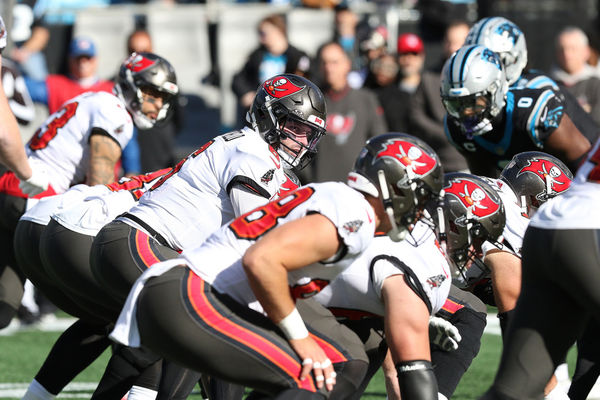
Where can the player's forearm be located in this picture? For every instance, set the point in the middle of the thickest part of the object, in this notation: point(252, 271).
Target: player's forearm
point(268, 280)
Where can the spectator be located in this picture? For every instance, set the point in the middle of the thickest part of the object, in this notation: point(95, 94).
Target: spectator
point(427, 111)
point(574, 73)
point(354, 115)
point(30, 36)
point(83, 66)
point(274, 56)
point(383, 81)
point(349, 32)
point(411, 58)
point(372, 48)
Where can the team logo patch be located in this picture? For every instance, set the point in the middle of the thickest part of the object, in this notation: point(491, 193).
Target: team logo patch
point(280, 87)
point(353, 226)
point(138, 62)
point(545, 169)
point(409, 155)
point(316, 120)
point(436, 281)
point(268, 176)
point(491, 57)
point(473, 197)
point(119, 129)
point(509, 31)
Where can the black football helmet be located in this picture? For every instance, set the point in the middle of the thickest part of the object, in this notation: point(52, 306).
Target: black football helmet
point(146, 72)
point(536, 177)
point(475, 214)
point(291, 107)
point(404, 172)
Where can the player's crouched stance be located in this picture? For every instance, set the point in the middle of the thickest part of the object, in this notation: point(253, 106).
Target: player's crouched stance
point(227, 308)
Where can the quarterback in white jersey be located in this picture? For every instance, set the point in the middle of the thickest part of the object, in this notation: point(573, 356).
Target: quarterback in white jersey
point(81, 143)
point(559, 290)
point(242, 288)
point(226, 177)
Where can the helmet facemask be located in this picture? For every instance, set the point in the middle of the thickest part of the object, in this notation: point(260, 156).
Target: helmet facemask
point(464, 252)
point(295, 140)
point(146, 73)
point(289, 113)
point(473, 112)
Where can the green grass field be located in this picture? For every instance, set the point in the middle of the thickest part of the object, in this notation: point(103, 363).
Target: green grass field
point(22, 353)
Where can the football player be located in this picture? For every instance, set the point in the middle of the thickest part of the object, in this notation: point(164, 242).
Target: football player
point(559, 287)
point(390, 291)
point(82, 142)
point(490, 123)
point(530, 179)
point(239, 287)
point(227, 176)
point(506, 39)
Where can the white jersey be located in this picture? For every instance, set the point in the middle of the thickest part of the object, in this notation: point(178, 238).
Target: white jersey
point(195, 200)
point(61, 145)
point(356, 292)
point(86, 209)
point(578, 207)
point(516, 220)
point(218, 259)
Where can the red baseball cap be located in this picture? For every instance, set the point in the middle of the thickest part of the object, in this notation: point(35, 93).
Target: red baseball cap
point(409, 43)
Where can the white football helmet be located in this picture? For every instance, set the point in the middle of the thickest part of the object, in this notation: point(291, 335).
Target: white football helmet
point(505, 38)
point(473, 88)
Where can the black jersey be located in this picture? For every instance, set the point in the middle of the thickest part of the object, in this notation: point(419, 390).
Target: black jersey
point(528, 119)
point(534, 79)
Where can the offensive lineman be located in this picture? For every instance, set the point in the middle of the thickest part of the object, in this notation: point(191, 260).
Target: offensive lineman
point(82, 142)
point(233, 279)
point(559, 290)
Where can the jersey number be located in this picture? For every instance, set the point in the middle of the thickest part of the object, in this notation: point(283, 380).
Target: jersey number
point(259, 221)
point(41, 138)
point(180, 164)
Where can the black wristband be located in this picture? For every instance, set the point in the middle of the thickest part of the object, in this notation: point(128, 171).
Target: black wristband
point(417, 380)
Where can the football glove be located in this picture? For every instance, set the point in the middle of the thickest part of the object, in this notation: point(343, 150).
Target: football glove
point(36, 184)
point(443, 334)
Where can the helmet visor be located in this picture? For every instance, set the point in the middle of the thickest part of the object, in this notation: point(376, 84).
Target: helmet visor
point(467, 107)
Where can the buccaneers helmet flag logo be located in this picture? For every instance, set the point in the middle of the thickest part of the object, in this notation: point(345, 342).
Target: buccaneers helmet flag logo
point(138, 62)
point(409, 155)
point(280, 87)
point(545, 169)
point(472, 196)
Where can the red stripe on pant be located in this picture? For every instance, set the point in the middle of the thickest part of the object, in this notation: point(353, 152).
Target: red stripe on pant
point(142, 246)
point(261, 345)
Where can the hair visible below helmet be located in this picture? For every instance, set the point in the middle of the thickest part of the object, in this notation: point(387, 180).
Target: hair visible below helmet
point(536, 177)
point(505, 38)
point(475, 214)
point(473, 87)
point(146, 72)
point(284, 101)
point(404, 172)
